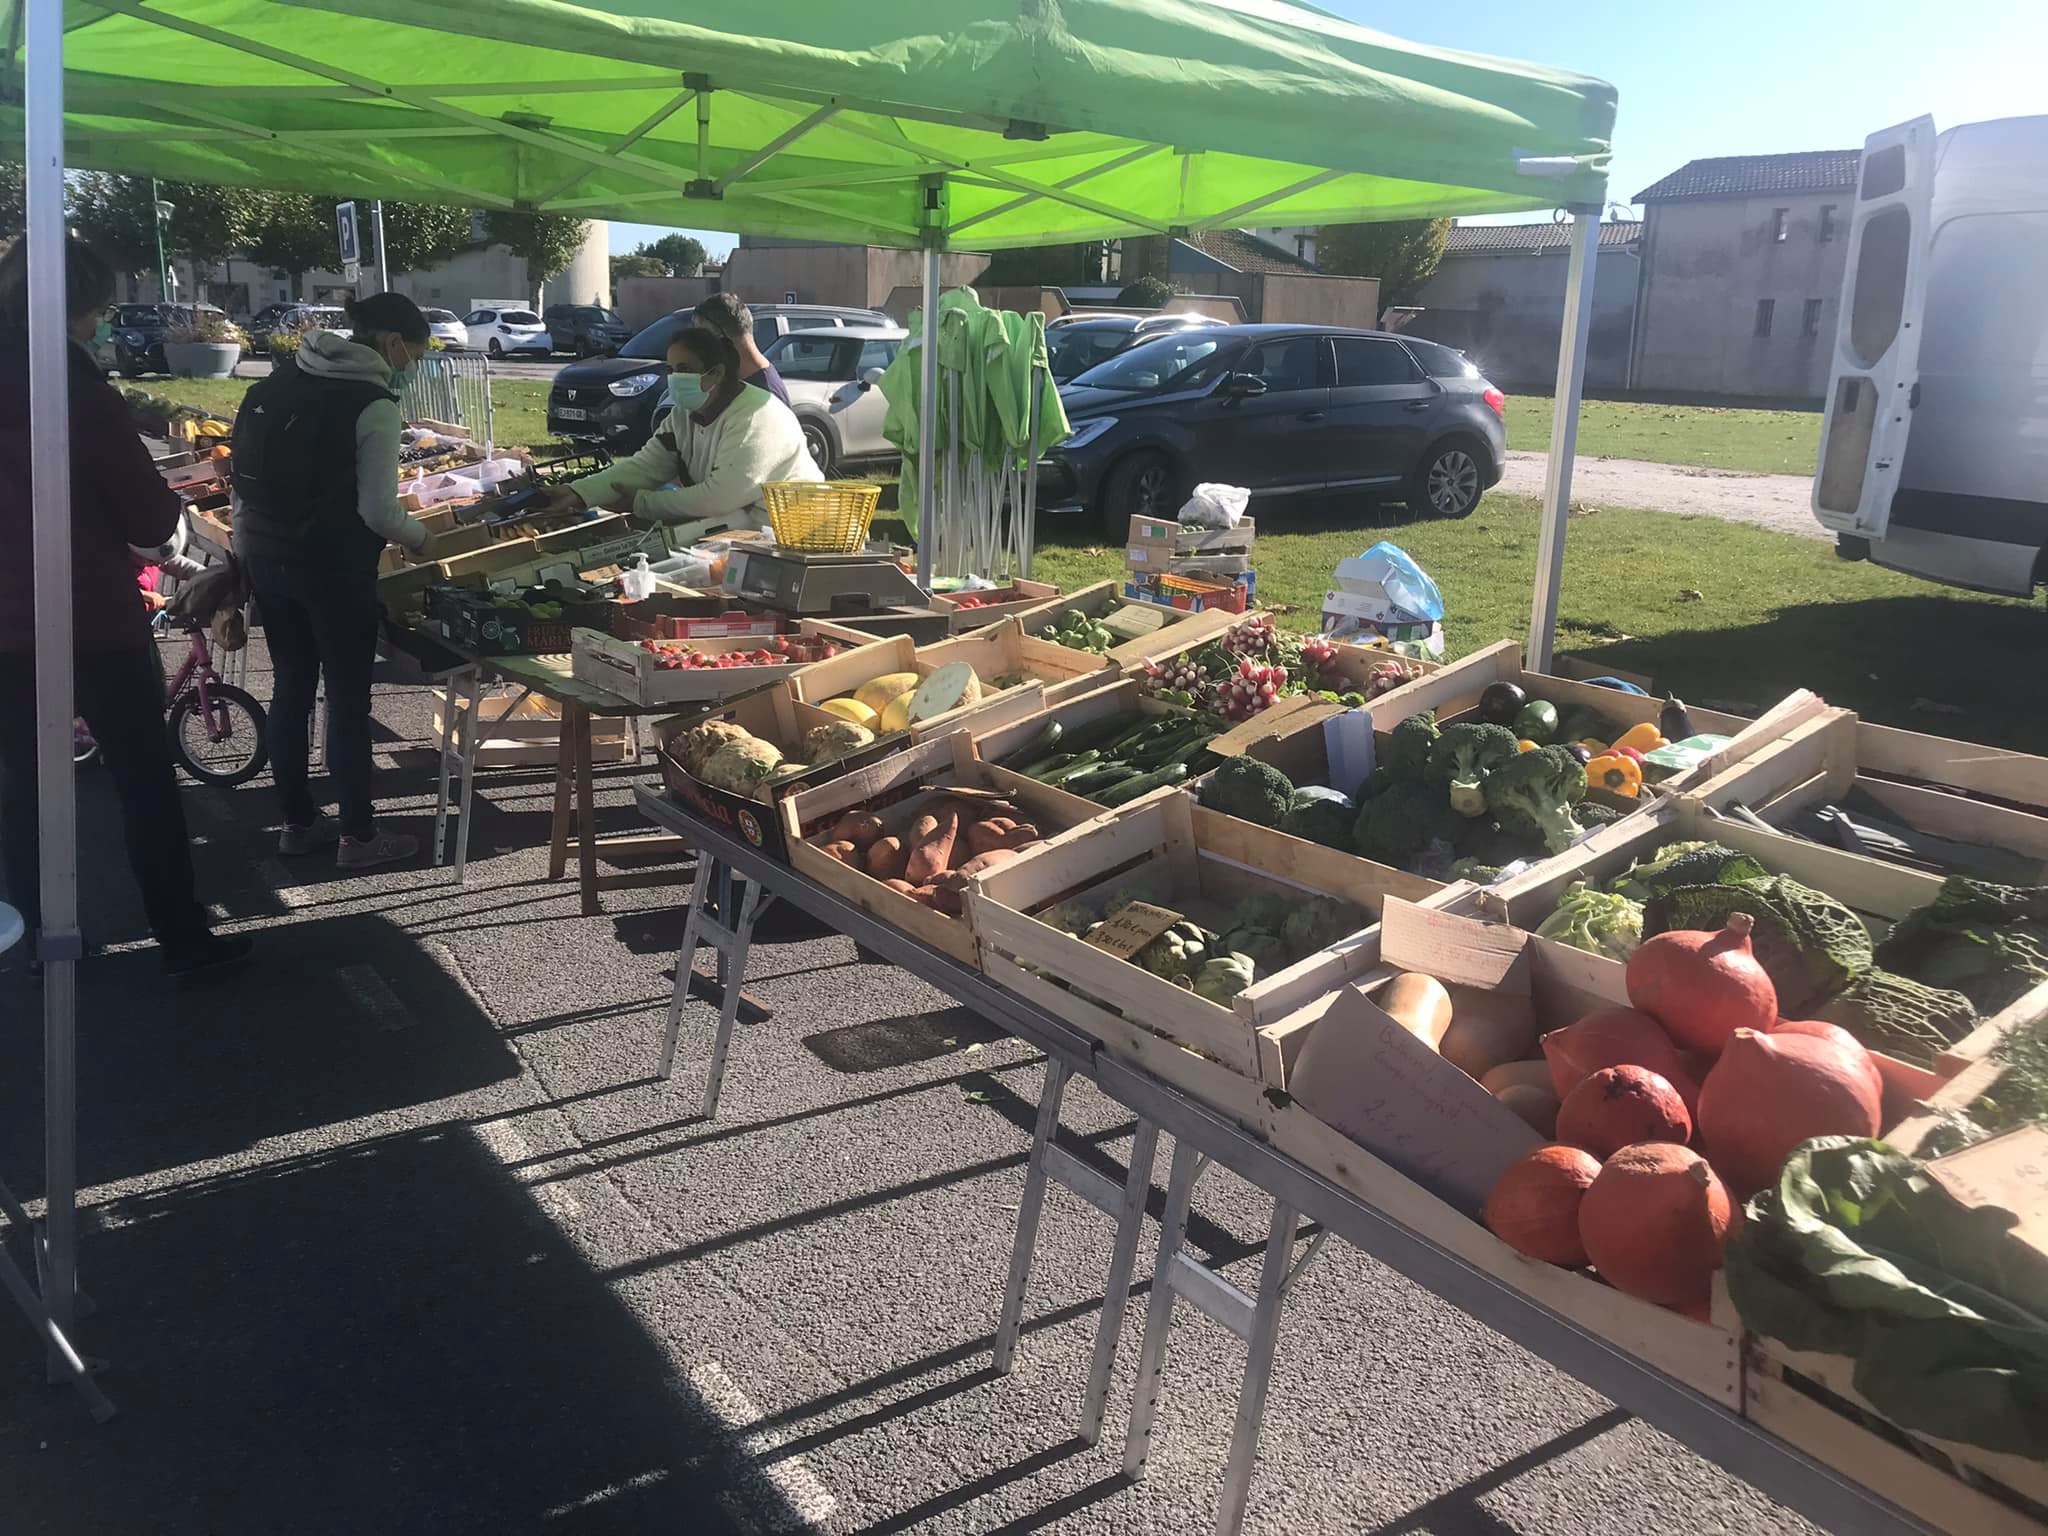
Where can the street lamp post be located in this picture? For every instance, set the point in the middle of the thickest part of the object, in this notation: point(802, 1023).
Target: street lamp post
point(160, 211)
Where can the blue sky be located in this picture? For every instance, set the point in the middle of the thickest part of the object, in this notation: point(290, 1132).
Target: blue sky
point(1733, 77)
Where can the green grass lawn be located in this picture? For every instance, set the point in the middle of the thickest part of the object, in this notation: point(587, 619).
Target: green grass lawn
point(519, 407)
point(1771, 442)
point(1772, 613)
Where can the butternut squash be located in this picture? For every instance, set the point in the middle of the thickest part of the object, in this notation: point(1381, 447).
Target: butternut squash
point(1420, 1005)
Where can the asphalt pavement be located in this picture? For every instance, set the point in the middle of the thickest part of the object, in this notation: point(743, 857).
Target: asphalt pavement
point(397, 1231)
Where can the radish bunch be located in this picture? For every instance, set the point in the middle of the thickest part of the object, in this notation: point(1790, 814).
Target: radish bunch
point(1254, 688)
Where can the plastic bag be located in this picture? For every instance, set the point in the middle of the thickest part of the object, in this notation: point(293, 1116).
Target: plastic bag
point(1216, 506)
point(1385, 594)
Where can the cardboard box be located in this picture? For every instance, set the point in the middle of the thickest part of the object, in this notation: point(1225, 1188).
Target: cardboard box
point(1193, 594)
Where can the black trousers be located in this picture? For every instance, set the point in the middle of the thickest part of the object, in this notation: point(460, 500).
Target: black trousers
point(319, 619)
point(121, 696)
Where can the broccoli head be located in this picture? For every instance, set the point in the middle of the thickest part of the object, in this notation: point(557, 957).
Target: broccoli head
point(1463, 756)
point(1395, 827)
point(1319, 820)
point(1409, 745)
point(1532, 795)
point(1478, 872)
point(1318, 923)
point(1591, 813)
point(1250, 790)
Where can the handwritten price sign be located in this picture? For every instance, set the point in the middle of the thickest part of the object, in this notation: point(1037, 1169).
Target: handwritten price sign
point(1133, 928)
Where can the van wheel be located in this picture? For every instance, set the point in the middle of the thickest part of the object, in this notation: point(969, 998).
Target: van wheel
point(819, 441)
point(1141, 485)
point(1446, 481)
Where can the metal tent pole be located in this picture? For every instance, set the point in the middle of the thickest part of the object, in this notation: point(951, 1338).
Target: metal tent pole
point(56, 775)
point(1027, 533)
point(383, 266)
point(1564, 437)
point(928, 421)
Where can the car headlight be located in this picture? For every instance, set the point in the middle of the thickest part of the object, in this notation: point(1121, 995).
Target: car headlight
point(1088, 431)
point(634, 384)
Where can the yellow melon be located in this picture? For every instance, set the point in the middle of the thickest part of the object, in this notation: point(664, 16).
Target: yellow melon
point(851, 710)
point(876, 692)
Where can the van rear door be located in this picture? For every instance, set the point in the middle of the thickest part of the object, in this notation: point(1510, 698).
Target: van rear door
point(1873, 384)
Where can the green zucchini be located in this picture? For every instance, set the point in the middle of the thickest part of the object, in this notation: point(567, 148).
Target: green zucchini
point(1080, 764)
point(1046, 765)
point(1041, 745)
point(1099, 778)
point(1144, 783)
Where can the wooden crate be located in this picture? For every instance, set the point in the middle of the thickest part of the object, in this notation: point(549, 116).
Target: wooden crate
point(529, 736)
point(1152, 844)
point(1878, 892)
point(1453, 691)
point(627, 668)
point(890, 788)
point(1950, 789)
point(996, 652)
point(1175, 632)
point(1018, 596)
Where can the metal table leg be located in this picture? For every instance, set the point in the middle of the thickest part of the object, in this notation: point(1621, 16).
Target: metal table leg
point(450, 685)
point(469, 750)
point(64, 1359)
point(729, 942)
point(1126, 1205)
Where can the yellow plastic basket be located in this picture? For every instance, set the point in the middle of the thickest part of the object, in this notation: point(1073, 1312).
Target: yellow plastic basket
point(824, 516)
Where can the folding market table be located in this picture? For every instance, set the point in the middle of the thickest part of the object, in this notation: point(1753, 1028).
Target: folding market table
point(1205, 1137)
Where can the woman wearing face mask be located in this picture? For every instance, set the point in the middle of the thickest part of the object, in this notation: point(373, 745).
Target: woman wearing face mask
point(117, 499)
point(316, 501)
point(723, 440)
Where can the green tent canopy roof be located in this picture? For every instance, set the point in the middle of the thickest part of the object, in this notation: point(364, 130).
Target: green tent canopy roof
point(972, 124)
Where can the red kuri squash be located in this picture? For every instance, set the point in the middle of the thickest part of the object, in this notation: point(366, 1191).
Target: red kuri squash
point(1654, 1223)
point(1534, 1206)
point(1702, 986)
point(1619, 1106)
point(1768, 1093)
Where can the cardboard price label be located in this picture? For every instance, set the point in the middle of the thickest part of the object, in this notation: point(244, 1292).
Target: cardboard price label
point(2010, 1172)
point(1132, 929)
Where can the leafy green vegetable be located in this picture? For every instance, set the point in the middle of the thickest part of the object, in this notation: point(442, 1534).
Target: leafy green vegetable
point(1222, 977)
point(1463, 756)
point(2020, 1095)
point(1250, 790)
point(1685, 863)
point(1989, 942)
point(1176, 954)
point(1318, 923)
point(1809, 944)
point(1476, 871)
point(1533, 794)
point(1264, 947)
point(1899, 1016)
point(1261, 909)
point(1597, 921)
point(1856, 1252)
point(1409, 745)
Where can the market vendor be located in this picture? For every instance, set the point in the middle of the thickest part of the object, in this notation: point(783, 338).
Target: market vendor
point(724, 313)
point(316, 501)
point(709, 461)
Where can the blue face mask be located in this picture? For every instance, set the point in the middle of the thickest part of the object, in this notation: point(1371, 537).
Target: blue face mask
point(103, 333)
point(685, 391)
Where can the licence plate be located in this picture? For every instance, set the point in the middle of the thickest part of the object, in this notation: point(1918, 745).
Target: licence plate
point(571, 413)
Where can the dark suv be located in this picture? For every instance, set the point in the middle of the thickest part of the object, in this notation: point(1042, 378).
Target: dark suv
point(139, 334)
point(1278, 409)
point(586, 330)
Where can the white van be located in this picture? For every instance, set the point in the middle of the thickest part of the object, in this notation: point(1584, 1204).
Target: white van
point(1934, 451)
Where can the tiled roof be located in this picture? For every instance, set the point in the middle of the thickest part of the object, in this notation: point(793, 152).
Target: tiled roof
point(1528, 239)
point(1813, 170)
point(1245, 252)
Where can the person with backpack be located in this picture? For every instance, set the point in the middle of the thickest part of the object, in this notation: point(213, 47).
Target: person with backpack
point(117, 500)
point(315, 501)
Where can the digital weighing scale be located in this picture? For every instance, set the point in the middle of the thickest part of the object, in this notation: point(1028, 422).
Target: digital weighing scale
point(794, 581)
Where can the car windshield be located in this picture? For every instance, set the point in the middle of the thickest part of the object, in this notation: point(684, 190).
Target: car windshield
point(1075, 349)
point(600, 316)
point(1161, 364)
point(138, 314)
point(440, 317)
point(653, 342)
point(518, 317)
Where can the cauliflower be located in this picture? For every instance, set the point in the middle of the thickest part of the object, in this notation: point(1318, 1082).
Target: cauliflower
point(694, 747)
point(822, 743)
point(740, 766)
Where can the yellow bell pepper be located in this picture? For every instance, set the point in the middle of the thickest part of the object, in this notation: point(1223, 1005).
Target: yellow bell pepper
point(1643, 738)
point(1593, 746)
point(1616, 774)
point(1524, 744)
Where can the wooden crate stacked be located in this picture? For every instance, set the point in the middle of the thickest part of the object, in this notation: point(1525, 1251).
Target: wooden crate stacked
point(1197, 569)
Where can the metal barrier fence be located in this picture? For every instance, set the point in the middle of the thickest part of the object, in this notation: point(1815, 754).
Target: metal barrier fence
point(452, 387)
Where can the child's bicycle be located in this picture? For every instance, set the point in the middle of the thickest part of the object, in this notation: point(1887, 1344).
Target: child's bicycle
point(217, 730)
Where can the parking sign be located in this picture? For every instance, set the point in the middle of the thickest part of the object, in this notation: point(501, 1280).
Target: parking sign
point(345, 227)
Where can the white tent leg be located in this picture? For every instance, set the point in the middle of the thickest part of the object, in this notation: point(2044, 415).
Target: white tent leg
point(1564, 438)
point(928, 423)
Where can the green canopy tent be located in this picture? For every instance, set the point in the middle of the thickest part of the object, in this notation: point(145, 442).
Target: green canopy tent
point(968, 124)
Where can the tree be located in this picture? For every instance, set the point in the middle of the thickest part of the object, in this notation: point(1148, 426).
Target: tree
point(114, 215)
point(1148, 292)
point(1048, 266)
point(1402, 255)
point(679, 254)
point(209, 224)
point(546, 242)
point(290, 234)
point(637, 264)
point(423, 235)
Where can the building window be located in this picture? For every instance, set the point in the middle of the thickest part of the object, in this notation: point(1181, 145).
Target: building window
point(1764, 308)
point(1781, 224)
point(1827, 223)
point(1809, 322)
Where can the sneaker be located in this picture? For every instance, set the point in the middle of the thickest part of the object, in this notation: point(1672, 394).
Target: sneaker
point(322, 832)
point(369, 852)
point(185, 959)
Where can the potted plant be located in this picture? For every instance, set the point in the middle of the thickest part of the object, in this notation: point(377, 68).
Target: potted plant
point(204, 344)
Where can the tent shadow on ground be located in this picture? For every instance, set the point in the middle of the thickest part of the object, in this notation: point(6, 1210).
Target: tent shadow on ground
point(331, 1021)
point(1859, 656)
point(391, 1336)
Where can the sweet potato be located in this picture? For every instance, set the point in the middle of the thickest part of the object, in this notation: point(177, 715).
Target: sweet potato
point(844, 852)
point(901, 887)
point(931, 856)
point(860, 828)
point(927, 894)
point(886, 858)
point(949, 898)
point(986, 861)
point(984, 835)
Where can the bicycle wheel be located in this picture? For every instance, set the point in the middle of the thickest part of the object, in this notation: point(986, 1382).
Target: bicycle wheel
point(224, 744)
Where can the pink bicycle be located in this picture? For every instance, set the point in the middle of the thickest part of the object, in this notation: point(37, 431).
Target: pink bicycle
point(217, 730)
